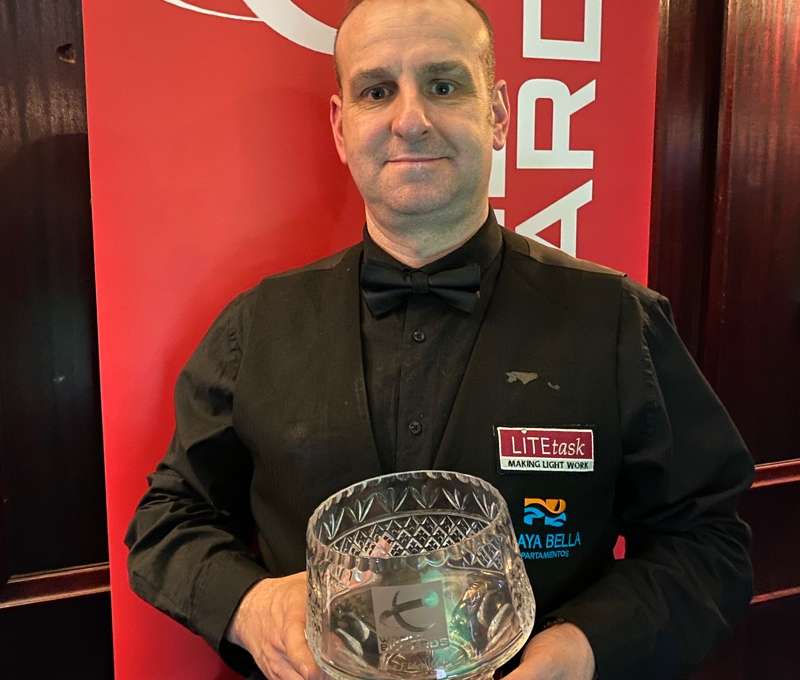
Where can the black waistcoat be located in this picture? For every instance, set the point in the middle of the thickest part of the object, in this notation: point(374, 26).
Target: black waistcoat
point(301, 407)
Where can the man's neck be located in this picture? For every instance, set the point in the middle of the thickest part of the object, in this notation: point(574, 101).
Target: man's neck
point(420, 242)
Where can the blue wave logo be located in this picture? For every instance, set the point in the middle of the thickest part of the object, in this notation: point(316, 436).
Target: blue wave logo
point(549, 511)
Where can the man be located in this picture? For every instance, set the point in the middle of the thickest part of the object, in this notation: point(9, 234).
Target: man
point(307, 384)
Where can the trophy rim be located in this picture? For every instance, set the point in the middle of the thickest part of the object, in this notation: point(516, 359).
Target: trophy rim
point(377, 562)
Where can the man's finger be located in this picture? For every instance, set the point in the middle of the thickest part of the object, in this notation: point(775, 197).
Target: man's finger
point(299, 655)
point(279, 668)
point(532, 667)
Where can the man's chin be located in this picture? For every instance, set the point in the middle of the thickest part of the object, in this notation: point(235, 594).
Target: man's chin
point(417, 203)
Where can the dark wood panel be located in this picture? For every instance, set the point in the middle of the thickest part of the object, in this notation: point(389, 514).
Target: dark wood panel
point(724, 247)
point(773, 513)
point(69, 639)
point(687, 100)
point(55, 585)
point(763, 639)
point(4, 570)
point(52, 451)
point(753, 328)
point(762, 647)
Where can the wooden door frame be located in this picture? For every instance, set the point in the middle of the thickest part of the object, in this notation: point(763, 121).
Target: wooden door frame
point(687, 210)
point(684, 162)
point(684, 210)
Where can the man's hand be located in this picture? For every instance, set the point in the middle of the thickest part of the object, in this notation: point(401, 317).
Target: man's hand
point(270, 624)
point(561, 652)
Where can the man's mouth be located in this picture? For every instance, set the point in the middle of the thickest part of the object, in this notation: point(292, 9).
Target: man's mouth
point(415, 159)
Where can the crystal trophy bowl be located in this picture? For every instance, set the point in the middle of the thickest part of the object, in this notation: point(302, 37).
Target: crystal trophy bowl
point(415, 575)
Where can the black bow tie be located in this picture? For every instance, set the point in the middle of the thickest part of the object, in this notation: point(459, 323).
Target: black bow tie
point(386, 288)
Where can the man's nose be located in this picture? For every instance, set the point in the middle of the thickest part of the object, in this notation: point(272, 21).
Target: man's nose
point(411, 116)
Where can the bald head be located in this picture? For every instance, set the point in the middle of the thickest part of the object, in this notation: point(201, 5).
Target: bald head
point(485, 42)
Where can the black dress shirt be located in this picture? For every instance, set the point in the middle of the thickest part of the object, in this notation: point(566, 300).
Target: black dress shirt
point(415, 355)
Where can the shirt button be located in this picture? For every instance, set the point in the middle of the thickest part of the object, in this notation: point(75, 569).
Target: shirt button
point(418, 335)
point(415, 427)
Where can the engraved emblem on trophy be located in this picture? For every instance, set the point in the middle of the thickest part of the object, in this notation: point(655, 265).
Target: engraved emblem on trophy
point(416, 575)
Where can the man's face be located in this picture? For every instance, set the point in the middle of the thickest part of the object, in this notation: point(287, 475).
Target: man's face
point(417, 121)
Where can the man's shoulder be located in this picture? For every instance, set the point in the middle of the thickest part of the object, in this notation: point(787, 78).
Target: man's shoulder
point(325, 264)
point(557, 261)
point(299, 280)
point(550, 256)
point(307, 277)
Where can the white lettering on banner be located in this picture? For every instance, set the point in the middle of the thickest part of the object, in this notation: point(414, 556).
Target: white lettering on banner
point(560, 155)
point(209, 12)
point(536, 47)
point(565, 104)
point(497, 182)
point(564, 210)
point(293, 23)
point(284, 17)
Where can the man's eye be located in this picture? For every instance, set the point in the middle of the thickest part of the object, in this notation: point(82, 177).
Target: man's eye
point(443, 88)
point(377, 93)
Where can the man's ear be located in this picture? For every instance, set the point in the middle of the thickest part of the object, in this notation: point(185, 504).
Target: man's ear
point(336, 127)
point(501, 114)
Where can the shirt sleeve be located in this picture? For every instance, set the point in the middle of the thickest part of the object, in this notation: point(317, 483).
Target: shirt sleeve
point(687, 576)
point(189, 537)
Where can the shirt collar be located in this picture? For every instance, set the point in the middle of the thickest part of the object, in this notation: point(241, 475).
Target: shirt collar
point(482, 248)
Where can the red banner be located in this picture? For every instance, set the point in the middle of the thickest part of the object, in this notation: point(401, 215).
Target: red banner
point(212, 166)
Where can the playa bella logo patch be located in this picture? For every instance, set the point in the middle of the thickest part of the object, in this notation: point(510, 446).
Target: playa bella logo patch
point(536, 449)
point(545, 514)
